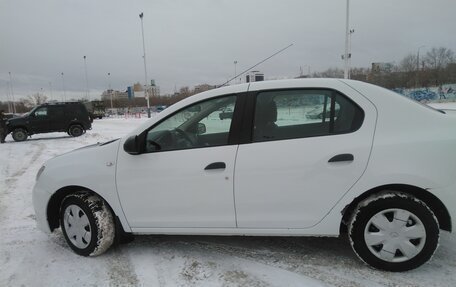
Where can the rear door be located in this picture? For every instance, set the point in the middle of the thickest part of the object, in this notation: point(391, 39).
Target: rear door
point(308, 148)
point(56, 118)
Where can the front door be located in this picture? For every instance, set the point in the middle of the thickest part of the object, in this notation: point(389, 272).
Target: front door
point(39, 120)
point(309, 147)
point(184, 177)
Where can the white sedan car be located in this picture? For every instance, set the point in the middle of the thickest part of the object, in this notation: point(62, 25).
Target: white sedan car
point(374, 164)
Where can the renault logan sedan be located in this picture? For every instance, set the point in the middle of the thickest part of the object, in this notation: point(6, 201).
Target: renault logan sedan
point(374, 164)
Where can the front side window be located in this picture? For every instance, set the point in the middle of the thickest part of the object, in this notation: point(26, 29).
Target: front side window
point(303, 113)
point(41, 112)
point(204, 124)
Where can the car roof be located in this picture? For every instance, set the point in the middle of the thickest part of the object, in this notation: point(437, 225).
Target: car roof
point(61, 103)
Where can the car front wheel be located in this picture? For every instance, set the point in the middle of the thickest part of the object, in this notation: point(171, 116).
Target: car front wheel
point(87, 224)
point(19, 135)
point(394, 231)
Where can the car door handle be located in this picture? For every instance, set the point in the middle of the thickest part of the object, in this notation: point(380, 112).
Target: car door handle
point(342, 157)
point(216, 165)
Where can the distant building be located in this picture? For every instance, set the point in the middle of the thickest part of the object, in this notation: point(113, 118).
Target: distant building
point(254, 76)
point(203, 88)
point(137, 91)
point(382, 67)
point(116, 95)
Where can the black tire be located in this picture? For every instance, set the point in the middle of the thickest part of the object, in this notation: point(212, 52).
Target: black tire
point(19, 135)
point(399, 209)
point(99, 227)
point(76, 130)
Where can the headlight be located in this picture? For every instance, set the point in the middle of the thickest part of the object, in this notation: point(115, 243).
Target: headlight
point(40, 171)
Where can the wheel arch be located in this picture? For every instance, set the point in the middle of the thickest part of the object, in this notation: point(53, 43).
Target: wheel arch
point(12, 129)
point(53, 208)
point(76, 124)
point(435, 204)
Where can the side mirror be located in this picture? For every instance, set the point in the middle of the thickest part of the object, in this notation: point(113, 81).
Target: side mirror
point(131, 145)
point(201, 129)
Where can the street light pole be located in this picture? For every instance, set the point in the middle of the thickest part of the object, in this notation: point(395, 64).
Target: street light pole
point(63, 87)
point(87, 79)
point(10, 104)
point(418, 66)
point(235, 73)
point(145, 66)
point(109, 88)
point(347, 34)
point(50, 90)
point(12, 93)
point(349, 51)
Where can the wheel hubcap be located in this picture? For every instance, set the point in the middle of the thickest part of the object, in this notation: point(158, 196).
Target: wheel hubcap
point(20, 135)
point(76, 131)
point(395, 235)
point(77, 226)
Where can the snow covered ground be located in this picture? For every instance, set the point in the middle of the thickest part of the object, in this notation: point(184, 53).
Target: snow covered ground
point(29, 257)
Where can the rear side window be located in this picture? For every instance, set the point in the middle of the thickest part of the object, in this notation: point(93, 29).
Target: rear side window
point(75, 110)
point(56, 112)
point(304, 113)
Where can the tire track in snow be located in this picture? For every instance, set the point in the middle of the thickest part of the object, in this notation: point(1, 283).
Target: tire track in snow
point(15, 178)
point(120, 269)
point(4, 157)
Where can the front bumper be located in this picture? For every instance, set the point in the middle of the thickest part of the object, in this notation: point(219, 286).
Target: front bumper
point(40, 202)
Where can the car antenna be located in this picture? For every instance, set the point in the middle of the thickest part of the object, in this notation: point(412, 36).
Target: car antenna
point(240, 74)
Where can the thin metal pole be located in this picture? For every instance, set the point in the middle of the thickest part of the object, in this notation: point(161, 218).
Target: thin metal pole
point(10, 108)
point(146, 94)
point(12, 92)
point(235, 73)
point(63, 87)
point(109, 88)
point(418, 66)
point(346, 40)
point(87, 79)
point(50, 91)
point(349, 51)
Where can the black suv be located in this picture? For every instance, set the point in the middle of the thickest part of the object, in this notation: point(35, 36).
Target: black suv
point(70, 117)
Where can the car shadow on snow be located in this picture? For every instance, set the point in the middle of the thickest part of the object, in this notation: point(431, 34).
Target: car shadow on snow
point(292, 251)
point(29, 139)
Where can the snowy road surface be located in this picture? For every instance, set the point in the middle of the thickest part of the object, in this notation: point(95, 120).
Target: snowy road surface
point(29, 257)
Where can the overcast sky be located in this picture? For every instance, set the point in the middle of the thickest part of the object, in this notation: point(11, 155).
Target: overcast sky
point(190, 42)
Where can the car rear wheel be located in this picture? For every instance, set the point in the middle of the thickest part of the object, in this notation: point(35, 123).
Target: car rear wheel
point(19, 135)
point(76, 130)
point(87, 224)
point(394, 231)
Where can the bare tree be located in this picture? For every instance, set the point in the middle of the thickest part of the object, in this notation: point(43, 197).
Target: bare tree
point(330, 73)
point(34, 100)
point(408, 64)
point(439, 58)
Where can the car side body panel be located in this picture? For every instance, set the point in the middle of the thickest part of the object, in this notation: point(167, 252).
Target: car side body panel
point(411, 145)
point(74, 169)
